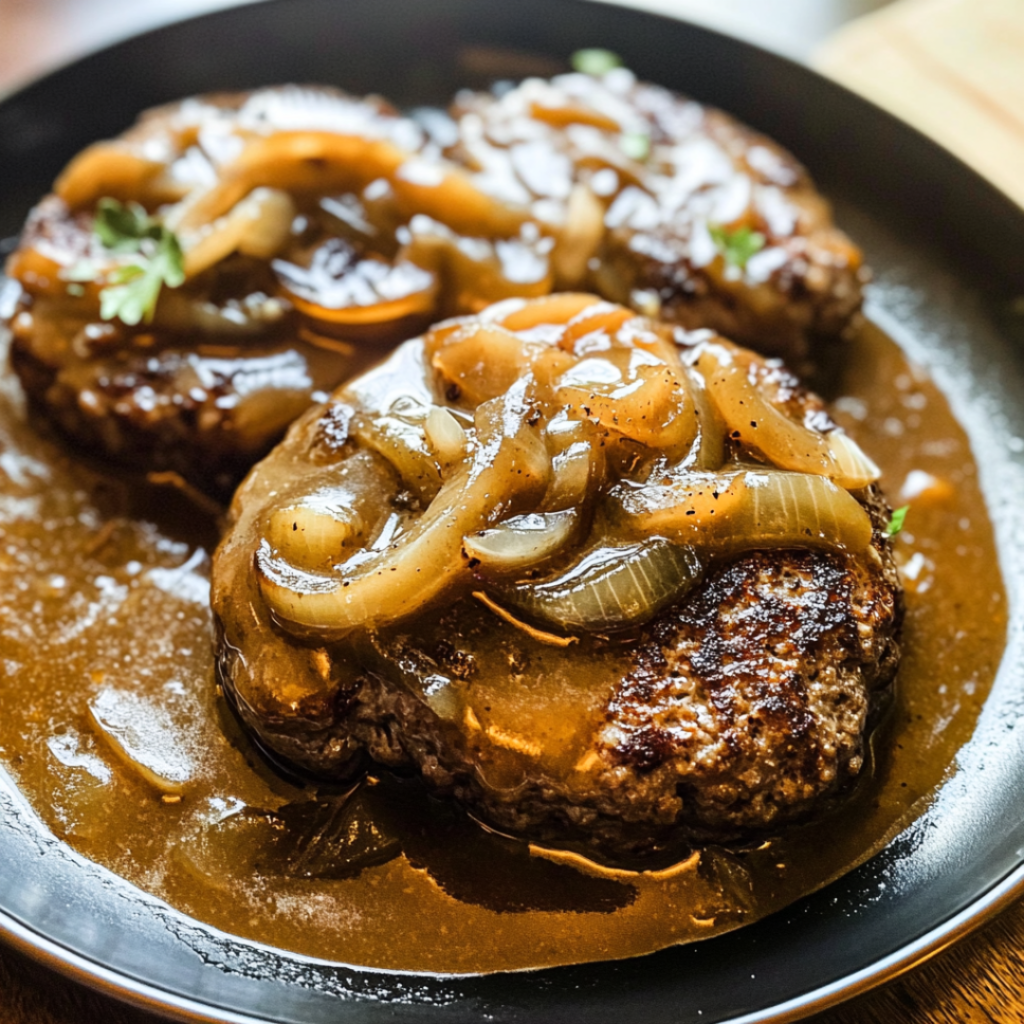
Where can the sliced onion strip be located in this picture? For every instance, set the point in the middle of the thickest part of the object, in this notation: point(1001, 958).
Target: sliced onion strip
point(116, 169)
point(257, 226)
point(510, 467)
point(313, 534)
point(522, 541)
point(760, 426)
point(323, 162)
point(610, 588)
point(748, 510)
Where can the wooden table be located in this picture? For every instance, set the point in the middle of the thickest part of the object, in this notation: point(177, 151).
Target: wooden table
point(955, 68)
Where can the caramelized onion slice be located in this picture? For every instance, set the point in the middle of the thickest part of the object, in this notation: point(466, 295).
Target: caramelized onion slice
point(610, 587)
point(579, 236)
point(522, 541)
point(340, 287)
point(403, 443)
point(479, 362)
point(761, 427)
point(643, 400)
point(748, 510)
point(116, 169)
point(575, 473)
point(446, 436)
point(523, 315)
point(509, 468)
point(324, 162)
point(257, 226)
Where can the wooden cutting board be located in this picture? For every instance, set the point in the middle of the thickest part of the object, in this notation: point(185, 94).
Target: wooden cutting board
point(952, 68)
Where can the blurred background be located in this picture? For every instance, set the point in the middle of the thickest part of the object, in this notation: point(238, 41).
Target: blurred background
point(953, 68)
point(39, 33)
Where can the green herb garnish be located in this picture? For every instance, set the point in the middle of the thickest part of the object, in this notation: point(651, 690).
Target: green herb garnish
point(133, 285)
point(895, 523)
point(636, 145)
point(595, 61)
point(736, 246)
point(121, 227)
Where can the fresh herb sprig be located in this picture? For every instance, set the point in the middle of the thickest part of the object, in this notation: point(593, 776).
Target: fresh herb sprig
point(595, 61)
point(636, 145)
point(737, 245)
point(896, 521)
point(148, 255)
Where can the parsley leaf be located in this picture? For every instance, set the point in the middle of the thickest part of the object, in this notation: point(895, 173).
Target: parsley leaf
point(595, 61)
point(121, 228)
point(736, 246)
point(636, 145)
point(133, 285)
point(131, 296)
point(896, 521)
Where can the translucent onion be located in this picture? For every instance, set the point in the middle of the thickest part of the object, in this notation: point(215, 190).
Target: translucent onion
point(610, 587)
point(579, 237)
point(575, 473)
point(709, 451)
point(760, 426)
point(647, 404)
point(325, 162)
point(509, 468)
point(522, 541)
point(747, 510)
point(482, 361)
point(116, 169)
point(257, 226)
point(446, 436)
point(599, 318)
point(524, 315)
point(313, 534)
point(404, 445)
point(855, 468)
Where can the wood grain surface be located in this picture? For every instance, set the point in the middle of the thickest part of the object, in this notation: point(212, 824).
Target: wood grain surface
point(955, 68)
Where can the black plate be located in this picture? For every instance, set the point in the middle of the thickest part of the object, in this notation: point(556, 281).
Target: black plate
point(949, 257)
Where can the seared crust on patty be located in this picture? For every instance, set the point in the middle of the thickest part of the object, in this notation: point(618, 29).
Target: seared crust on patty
point(747, 707)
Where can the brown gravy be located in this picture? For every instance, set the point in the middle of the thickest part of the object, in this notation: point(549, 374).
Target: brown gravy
point(114, 730)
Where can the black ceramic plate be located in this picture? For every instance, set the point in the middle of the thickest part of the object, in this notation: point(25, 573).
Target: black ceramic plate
point(948, 251)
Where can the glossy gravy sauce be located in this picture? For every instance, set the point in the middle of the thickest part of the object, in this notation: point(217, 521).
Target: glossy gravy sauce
point(113, 727)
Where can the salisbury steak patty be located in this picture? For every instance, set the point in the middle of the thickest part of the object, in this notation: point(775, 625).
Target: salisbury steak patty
point(305, 225)
point(711, 680)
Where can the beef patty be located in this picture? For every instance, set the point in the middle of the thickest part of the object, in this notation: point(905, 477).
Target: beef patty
point(737, 699)
point(311, 244)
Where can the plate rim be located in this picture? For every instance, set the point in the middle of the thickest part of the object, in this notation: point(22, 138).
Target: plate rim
point(144, 995)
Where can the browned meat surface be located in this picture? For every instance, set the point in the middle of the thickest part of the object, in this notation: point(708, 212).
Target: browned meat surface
point(741, 705)
point(317, 229)
point(706, 222)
